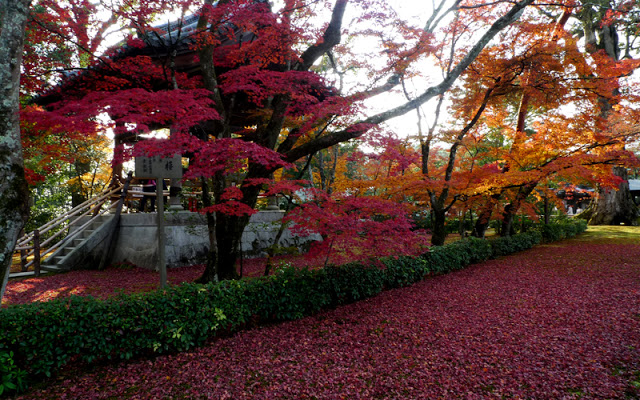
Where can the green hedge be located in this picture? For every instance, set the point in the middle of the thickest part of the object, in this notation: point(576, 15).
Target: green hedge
point(562, 229)
point(40, 338)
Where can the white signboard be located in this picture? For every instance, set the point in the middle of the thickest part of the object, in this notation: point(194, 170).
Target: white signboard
point(157, 167)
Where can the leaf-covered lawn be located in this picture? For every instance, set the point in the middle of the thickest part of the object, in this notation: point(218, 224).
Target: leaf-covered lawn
point(559, 321)
point(100, 284)
point(114, 280)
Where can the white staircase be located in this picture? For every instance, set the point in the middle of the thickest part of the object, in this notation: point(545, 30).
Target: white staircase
point(52, 246)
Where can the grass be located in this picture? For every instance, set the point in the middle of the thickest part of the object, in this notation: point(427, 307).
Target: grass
point(611, 234)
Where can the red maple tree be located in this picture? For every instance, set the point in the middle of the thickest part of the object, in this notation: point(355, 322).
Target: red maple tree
point(237, 88)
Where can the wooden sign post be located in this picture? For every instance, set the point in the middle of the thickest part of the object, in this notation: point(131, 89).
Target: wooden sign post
point(160, 168)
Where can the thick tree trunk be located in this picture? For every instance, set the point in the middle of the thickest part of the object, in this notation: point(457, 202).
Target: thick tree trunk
point(210, 274)
point(13, 187)
point(482, 222)
point(484, 216)
point(225, 231)
point(546, 210)
point(614, 207)
point(610, 207)
point(438, 227)
point(511, 209)
point(508, 215)
point(229, 231)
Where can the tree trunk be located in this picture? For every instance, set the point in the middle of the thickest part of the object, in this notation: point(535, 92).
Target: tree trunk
point(511, 209)
point(482, 223)
point(546, 210)
point(209, 274)
point(438, 227)
point(614, 207)
point(13, 186)
point(484, 216)
point(610, 207)
point(229, 229)
point(507, 228)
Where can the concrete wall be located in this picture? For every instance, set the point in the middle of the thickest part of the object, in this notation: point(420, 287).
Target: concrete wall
point(186, 238)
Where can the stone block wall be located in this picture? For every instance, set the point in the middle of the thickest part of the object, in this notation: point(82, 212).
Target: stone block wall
point(187, 241)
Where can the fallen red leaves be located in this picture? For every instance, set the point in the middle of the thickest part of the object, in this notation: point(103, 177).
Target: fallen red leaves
point(554, 322)
point(100, 284)
point(113, 281)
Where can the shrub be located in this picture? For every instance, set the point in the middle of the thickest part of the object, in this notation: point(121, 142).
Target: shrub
point(565, 228)
point(352, 282)
point(40, 338)
point(12, 377)
point(479, 249)
point(552, 232)
point(404, 271)
point(289, 294)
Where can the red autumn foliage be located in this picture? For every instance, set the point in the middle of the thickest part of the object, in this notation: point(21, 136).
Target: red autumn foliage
point(357, 228)
point(553, 322)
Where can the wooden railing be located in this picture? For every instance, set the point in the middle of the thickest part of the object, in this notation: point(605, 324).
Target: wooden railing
point(31, 244)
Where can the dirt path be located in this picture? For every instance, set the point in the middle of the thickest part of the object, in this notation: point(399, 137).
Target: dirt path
point(559, 321)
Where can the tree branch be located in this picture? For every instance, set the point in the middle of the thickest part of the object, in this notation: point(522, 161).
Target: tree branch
point(360, 127)
point(330, 38)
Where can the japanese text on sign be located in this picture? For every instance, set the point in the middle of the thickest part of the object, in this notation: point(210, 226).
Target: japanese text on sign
point(157, 167)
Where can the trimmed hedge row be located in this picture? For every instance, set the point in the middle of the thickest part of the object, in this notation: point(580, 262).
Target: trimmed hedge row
point(41, 338)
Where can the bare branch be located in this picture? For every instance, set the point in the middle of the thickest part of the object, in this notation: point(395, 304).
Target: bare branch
point(331, 38)
point(360, 127)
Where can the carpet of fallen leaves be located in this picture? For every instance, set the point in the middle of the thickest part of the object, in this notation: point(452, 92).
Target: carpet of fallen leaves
point(129, 279)
point(100, 284)
point(559, 321)
point(115, 280)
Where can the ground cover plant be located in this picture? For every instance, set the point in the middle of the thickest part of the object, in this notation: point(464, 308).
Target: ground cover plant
point(133, 326)
point(126, 278)
point(557, 321)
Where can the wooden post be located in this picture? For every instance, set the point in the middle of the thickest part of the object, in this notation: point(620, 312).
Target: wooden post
point(23, 255)
point(160, 168)
point(23, 260)
point(162, 264)
point(36, 252)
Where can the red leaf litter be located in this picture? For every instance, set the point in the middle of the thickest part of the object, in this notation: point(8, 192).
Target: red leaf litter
point(100, 284)
point(554, 322)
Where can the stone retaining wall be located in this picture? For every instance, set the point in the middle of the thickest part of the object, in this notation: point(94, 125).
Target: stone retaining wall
point(187, 241)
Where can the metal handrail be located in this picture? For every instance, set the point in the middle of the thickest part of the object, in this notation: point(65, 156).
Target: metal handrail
point(101, 198)
point(71, 236)
point(37, 249)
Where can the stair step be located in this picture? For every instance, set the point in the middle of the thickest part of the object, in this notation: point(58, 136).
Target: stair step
point(52, 268)
point(27, 274)
point(77, 242)
point(86, 233)
point(68, 250)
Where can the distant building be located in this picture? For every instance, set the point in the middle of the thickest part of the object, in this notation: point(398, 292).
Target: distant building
point(634, 188)
point(575, 198)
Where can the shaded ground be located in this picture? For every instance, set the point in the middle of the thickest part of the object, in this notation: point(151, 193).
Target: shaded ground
point(100, 284)
point(556, 322)
point(127, 278)
point(116, 280)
